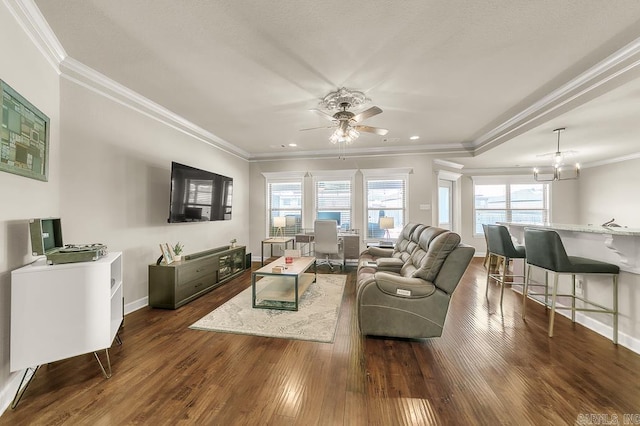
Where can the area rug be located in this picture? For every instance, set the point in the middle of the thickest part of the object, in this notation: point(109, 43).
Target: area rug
point(316, 318)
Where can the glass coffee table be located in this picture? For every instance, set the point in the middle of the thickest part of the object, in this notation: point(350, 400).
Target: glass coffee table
point(280, 285)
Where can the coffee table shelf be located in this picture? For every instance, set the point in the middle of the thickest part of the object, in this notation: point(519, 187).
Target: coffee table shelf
point(281, 290)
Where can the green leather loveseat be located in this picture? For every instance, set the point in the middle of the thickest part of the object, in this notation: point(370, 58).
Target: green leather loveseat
point(412, 302)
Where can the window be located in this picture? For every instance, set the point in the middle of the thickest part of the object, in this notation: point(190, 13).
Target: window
point(284, 199)
point(509, 201)
point(385, 196)
point(333, 201)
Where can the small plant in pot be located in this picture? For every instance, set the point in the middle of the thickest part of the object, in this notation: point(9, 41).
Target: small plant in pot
point(233, 243)
point(177, 250)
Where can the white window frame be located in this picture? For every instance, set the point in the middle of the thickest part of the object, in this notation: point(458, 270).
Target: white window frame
point(507, 181)
point(329, 176)
point(384, 174)
point(285, 177)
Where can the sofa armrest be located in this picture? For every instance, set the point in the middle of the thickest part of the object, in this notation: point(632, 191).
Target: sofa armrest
point(390, 264)
point(378, 252)
point(399, 286)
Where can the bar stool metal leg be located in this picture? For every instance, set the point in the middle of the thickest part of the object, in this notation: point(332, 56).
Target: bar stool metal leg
point(573, 297)
point(615, 310)
point(553, 304)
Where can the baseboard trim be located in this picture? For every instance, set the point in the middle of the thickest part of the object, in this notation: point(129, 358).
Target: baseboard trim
point(8, 393)
point(624, 339)
point(135, 305)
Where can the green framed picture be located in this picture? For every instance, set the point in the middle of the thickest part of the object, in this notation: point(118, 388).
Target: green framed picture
point(24, 136)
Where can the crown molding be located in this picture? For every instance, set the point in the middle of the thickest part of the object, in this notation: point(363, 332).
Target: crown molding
point(91, 79)
point(611, 161)
point(442, 149)
point(401, 171)
point(449, 164)
point(447, 175)
point(30, 19)
point(611, 68)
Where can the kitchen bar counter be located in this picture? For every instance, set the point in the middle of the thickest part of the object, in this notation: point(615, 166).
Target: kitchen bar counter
point(617, 245)
point(620, 246)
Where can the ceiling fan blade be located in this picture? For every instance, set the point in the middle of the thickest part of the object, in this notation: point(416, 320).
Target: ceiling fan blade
point(369, 129)
point(323, 114)
point(316, 128)
point(374, 110)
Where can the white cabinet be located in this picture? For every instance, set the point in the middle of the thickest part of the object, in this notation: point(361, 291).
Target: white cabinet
point(60, 311)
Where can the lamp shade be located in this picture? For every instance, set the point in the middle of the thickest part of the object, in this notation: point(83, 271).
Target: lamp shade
point(386, 222)
point(279, 221)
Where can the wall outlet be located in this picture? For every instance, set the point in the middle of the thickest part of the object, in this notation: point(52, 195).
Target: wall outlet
point(579, 289)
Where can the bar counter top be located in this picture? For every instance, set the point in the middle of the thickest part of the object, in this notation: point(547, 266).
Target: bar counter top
point(596, 229)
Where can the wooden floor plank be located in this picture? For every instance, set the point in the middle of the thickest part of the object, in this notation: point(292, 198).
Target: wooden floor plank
point(489, 367)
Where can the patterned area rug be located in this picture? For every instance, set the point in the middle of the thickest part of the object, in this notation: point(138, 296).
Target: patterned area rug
point(315, 319)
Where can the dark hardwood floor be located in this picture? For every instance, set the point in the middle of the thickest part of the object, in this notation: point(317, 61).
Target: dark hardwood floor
point(486, 369)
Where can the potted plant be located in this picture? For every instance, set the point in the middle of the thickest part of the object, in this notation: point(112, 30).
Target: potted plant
point(177, 250)
point(233, 243)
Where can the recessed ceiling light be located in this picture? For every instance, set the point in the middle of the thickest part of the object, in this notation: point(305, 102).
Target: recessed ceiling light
point(413, 138)
point(293, 144)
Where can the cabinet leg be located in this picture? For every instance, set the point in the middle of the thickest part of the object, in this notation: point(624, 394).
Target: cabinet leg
point(106, 375)
point(23, 386)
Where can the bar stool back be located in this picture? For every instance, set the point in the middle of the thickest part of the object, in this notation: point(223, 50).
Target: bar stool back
point(546, 251)
point(500, 245)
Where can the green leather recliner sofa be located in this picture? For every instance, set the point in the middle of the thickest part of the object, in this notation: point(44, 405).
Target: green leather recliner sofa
point(412, 302)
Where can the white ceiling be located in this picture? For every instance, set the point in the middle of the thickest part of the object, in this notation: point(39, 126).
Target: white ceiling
point(483, 83)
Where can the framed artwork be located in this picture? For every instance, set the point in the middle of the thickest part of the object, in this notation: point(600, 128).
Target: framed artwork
point(24, 136)
point(166, 253)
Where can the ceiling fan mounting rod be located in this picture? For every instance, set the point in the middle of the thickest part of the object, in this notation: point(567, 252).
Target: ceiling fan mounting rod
point(558, 131)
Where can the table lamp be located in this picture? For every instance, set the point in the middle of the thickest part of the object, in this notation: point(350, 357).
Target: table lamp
point(386, 223)
point(279, 222)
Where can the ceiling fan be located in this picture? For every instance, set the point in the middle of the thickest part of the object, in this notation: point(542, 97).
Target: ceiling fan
point(345, 121)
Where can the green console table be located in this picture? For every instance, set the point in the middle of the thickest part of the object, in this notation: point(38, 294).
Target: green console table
point(173, 285)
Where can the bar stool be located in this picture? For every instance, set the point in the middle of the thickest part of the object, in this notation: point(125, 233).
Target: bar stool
point(501, 246)
point(546, 251)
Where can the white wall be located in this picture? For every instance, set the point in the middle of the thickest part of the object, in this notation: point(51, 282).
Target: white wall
point(109, 181)
point(611, 191)
point(27, 72)
point(606, 192)
point(116, 179)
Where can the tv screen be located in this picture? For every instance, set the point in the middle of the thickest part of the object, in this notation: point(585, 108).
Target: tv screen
point(198, 195)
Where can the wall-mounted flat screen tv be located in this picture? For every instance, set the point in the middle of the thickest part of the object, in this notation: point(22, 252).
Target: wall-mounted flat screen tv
point(198, 195)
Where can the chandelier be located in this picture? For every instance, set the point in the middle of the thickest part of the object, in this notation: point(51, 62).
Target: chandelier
point(558, 170)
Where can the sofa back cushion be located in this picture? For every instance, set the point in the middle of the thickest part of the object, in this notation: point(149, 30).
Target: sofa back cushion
point(433, 248)
point(403, 240)
point(411, 244)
